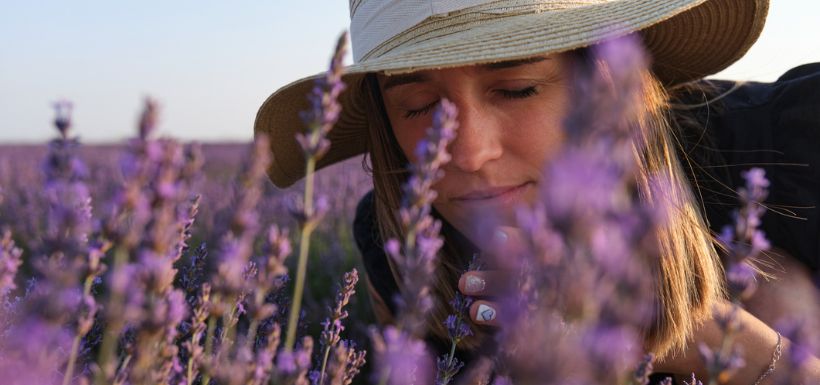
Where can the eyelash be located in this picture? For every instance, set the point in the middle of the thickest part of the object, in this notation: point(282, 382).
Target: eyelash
point(508, 94)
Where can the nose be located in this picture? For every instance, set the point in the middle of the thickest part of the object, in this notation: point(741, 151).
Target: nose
point(478, 138)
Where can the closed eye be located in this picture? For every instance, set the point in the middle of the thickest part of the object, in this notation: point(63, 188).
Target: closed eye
point(508, 94)
point(519, 94)
point(421, 111)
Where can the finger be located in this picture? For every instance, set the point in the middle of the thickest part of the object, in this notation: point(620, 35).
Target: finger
point(506, 246)
point(484, 313)
point(484, 283)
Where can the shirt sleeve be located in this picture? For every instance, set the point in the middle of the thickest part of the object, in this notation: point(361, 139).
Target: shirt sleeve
point(775, 126)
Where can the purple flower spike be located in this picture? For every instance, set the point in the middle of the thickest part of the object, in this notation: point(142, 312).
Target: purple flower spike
point(415, 255)
point(320, 120)
point(237, 245)
point(584, 293)
point(331, 334)
point(148, 119)
point(62, 119)
point(744, 241)
point(346, 364)
point(10, 260)
point(804, 347)
point(693, 381)
point(400, 358)
point(332, 327)
point(644, 369)
point(325, 107)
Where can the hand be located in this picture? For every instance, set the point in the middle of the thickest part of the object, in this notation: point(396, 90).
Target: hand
point(489, 285)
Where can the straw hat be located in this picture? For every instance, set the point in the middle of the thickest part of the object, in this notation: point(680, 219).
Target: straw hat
point(688, 39)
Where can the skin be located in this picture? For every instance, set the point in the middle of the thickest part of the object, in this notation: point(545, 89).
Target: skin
point(509, 125)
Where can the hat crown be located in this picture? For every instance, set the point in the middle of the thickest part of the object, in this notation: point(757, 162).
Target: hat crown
point(373, 22)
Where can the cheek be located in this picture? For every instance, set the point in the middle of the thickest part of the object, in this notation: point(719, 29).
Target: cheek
point(407, 138)
point(540, 138)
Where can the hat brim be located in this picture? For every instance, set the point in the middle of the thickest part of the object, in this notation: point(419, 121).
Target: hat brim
point(687, 40)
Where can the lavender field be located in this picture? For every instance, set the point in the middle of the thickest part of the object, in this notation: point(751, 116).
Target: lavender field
point(158, 262)
point(25, 211)
point(21, 168)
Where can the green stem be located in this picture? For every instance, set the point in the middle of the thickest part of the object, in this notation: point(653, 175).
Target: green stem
point(252, 332)
point(228, 324)
point(304, 244)
point(108, 346)
point(72, 358)
point(75, 345)
point(209, 344)
point(324, 366)
point(452, 353)
point(190, 373)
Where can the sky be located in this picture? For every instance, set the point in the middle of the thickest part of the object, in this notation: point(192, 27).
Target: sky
point(210, 64)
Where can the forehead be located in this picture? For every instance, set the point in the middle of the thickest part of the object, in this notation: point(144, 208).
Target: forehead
point(388, 82)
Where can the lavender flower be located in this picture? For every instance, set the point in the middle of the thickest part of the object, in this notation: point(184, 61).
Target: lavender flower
point(69, 201)
point(9, 263)
point(401, 359)
point(805, 343)
point(62, 119)
point(743, 242)
point(693, 381)
point(325, 107)
point(35, 352)
point(148, 119)
point(193, 346)
point(333, 327)
point(415, 254)
point(149, 222)
point(292, 365)
point(265, 354)
point(320, 120)
point(457, 329)
point(237, 246)
point(346, 364)
point(589, 240)
point(269, 278)
point(644, 369)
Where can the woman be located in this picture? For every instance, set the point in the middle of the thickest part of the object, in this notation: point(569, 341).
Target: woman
point(506, 65)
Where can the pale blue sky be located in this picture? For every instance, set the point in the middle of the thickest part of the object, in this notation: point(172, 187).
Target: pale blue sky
point(211, 63)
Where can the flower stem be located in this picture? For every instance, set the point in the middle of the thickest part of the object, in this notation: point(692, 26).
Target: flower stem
point(252, 332)
point(209, 336)
point(324, 365)
point(304, 245)
point(108, 346)
point(75, 345)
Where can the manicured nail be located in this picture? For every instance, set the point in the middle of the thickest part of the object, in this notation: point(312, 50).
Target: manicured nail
point(501, 237)
point(474, 284)
point(485, 313)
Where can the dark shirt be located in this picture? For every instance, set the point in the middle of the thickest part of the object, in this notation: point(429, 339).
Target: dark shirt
point(775, 126)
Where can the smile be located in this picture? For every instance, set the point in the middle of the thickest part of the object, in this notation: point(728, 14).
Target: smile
point(498, 195)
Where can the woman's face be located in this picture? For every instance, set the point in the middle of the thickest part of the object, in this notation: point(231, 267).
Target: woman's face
point(509, 116)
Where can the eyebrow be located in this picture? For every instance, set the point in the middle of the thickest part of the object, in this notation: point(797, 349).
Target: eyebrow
point(398, 80)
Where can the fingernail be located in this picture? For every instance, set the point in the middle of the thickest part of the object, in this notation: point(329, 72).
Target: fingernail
point(501, 236)
point(485, 313)
point(474, 284)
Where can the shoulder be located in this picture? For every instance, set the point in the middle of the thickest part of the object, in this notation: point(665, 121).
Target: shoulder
point(776, 126)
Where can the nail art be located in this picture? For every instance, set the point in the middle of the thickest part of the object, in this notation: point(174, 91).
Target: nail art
point(485, 313)
point(474, 284)
point(501, 237)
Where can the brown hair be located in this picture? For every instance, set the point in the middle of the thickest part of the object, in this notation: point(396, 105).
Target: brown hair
point(688, 277)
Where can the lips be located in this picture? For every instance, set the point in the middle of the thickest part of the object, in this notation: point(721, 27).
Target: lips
point(491, 193)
